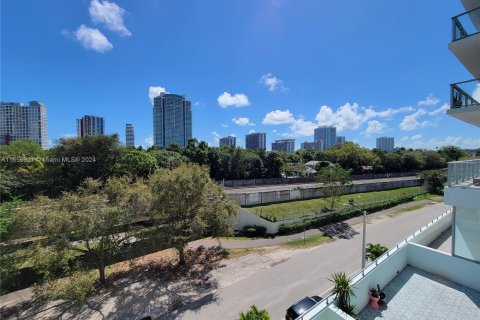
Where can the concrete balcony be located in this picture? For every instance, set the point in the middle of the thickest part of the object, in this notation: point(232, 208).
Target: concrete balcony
point(466, 40)
point(465, 101)
point(463, 186)
point(419, 282)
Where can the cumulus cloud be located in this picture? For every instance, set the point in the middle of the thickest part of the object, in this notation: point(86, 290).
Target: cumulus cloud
point(375, 126)
point(462, 142)
point(110, 15)
point(242, 121)
point(148, 141)
point(228, 100)
point(92, 39)
point(252, 131)
point(155, 92)
point(278, 117)
point(347, 116)
point(429, 101)
point(224, 125)
point(440, 110)
point(216, 136)
point(272, 83)
point(303, 128)
point(411, 122)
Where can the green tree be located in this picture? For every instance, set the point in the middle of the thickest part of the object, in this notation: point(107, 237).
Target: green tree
point(136, 163)
point(351, 156)
point(434, 180)
point(433, 160)
point(167, 159)
point(335, 180)
point(452, 153)
point(86, 222)
point(274, 164)
point(374, 251)
point(7, 219)
point(255, 314)
point(190, 204)
point(74, 160)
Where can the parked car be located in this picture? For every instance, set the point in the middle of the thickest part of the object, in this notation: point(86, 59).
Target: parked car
point(301, 306)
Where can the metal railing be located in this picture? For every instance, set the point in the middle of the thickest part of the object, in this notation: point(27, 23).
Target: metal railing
point(466, 24)
point(465, 94)
point(461, 171)
point(325, 303)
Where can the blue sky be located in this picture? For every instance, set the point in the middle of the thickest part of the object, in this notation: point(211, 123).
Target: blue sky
point(372, 68)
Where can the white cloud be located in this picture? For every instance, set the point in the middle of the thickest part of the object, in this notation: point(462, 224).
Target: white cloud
point(237, 100)
point(375, 126)
point(462, 142)
point(278, 117)
point(224, 125)
point(346, 117)
point(92, 39)
point(411, 122)
point(155, 92)
point(272, 82)
point(274, 131)
point(429, 101)
point(110, 15)
point(303, 128)
point(252, 131)
point(149, 141)
point(232, 135)
point(369, 113)
point(216, 136)
point(416, 137)
point(242, 121)
point(440, 110)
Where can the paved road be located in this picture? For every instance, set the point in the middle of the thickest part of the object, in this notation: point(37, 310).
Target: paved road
point(309, 185)
point(276, 288)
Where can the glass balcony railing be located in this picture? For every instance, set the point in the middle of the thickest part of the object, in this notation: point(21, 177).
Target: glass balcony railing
point(465, 94)
point(466, 24)
point(461, 171)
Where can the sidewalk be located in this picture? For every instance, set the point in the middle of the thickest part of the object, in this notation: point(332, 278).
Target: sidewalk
point(337, 230)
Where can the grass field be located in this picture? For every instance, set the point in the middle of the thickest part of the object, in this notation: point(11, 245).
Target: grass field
point(310, 207)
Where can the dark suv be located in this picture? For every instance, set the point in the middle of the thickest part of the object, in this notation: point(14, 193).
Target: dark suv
point(300, 307)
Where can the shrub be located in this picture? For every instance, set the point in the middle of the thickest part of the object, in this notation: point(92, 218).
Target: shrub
point(254, 231)
point(76, 288)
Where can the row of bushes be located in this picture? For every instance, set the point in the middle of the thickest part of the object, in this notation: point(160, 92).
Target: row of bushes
point(337, 216)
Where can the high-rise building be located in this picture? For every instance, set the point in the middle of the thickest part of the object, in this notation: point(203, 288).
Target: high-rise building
point(385, 143)
point(286, 145)
point(316, 145)
point(172, 120)
point(19, 122)
point(129, 135)
point(229, 141)
point(90, 126)
point(327, 134)
point(340, 139)
point(256, 140)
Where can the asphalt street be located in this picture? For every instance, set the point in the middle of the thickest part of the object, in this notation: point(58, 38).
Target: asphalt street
point(281, 285)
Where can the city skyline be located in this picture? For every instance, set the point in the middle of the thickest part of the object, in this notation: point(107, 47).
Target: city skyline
point(251, 87)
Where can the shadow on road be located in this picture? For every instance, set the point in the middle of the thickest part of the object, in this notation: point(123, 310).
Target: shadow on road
point(339, 230)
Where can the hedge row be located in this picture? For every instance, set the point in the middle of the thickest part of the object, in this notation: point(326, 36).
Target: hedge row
point(337, 216)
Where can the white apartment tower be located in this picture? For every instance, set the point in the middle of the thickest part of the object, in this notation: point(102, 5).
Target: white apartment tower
point(386, 144)
point(20, 122)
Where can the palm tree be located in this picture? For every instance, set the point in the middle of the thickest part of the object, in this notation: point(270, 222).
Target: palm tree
point(255, 314)
point(374, 251)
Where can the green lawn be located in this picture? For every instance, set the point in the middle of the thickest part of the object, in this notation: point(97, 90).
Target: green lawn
point(304, 208)
point(309, 242)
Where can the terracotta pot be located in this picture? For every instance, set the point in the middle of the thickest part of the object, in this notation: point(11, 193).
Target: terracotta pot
point(374, 302)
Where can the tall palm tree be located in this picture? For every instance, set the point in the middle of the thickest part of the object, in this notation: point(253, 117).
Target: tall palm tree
point(255, 314)
point(374, 251)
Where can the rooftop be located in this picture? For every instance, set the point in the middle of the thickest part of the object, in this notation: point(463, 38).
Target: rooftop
point(417, 294)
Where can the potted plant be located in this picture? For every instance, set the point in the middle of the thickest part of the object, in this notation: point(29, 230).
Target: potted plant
point(374, 298)
point(343, 288)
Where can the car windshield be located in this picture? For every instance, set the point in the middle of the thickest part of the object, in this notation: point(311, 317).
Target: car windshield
point(303, 305)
